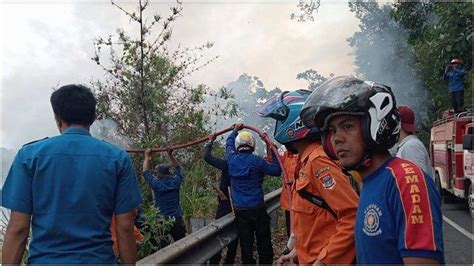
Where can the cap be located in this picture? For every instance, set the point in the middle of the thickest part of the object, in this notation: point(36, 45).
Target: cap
point(408, 119)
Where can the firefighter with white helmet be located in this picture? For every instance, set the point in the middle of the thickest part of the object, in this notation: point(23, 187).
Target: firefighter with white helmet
point(246, 171)
point(323, 203)
point(399, 215)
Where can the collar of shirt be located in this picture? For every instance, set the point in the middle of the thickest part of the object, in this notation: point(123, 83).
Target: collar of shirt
point(76, 130)
point(378, 171)
point(309, 149)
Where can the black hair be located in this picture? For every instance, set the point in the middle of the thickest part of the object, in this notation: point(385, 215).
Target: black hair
point(162, 170)
point(74, 104)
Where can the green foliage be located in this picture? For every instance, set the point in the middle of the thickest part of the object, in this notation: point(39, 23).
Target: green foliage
point(438, 31)
point(154, 230)
point(197, 198)
point(407, 45)
point(313, 78)
point(306, 8)
point(271, 183)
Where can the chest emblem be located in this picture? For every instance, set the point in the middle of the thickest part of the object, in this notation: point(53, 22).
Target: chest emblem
point(372, 216)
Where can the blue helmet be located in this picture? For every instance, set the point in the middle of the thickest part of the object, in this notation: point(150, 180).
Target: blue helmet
point(285, 109)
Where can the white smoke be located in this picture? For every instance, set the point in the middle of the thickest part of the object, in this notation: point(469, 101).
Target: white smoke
point(106, 129)
point(382, 54)
point(6, 156)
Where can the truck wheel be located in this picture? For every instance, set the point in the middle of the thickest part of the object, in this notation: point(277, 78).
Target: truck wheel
point(441, 191)
point(470, 200)
point(446, 196)
point(449, 198)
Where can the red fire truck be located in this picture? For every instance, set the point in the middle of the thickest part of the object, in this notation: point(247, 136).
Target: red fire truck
point(452, 156)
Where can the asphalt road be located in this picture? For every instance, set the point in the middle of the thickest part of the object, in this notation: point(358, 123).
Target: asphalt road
point(458, 246)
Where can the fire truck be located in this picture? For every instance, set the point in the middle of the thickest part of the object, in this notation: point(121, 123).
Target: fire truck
point(452, 156)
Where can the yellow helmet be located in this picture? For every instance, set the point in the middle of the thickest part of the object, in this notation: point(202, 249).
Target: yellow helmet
point(244, 140)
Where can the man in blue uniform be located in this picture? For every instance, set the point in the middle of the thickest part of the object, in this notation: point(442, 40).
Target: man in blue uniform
point(399, 216)
point(246, 172)
point(165, 186)
point(223, 206)
point(68, 187)
point(454, 74)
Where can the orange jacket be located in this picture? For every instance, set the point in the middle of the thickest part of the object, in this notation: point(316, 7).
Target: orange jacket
point(318, 235)
point(113, 230)
point(289, 164)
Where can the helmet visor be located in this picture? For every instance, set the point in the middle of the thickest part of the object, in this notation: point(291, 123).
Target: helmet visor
point(274, 108)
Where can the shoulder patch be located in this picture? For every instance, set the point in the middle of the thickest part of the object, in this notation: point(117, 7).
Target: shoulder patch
point(38, 140)
point(327, 181)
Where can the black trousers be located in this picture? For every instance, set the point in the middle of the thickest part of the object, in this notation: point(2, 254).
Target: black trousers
point(287, 223)
point(177, 231)
point(251, 224)
point(457, 101)
point(224, 208)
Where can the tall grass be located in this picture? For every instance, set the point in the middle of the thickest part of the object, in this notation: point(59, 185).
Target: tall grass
point(198, 199)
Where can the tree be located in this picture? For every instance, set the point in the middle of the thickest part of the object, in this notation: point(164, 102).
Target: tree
point(382, 54)
point(307, 8)
point(146, 94)
point(313, 78)
point(438, 31)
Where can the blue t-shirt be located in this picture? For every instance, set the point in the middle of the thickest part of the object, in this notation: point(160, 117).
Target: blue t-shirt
point(399, 215)
point(166, 192)
point(455, 79)
point(246, 172)
point(71, 185)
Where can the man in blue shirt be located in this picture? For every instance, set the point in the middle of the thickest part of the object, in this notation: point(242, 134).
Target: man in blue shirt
point(454, 74)
point(68, 187)
point(399, 217)
point(246, 172)
point(223, 206)
point(165, 186)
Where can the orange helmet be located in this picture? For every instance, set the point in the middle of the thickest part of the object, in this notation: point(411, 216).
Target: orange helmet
point(456, 61)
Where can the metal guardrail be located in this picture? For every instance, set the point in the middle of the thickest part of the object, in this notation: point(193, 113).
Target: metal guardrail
point(200, 246)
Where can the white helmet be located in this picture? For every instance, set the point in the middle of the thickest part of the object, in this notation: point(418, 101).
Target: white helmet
point(245, 140)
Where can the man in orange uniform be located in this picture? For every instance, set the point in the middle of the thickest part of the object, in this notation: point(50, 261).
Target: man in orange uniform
point(289, 160)
point(324, 203)
point(113, 229)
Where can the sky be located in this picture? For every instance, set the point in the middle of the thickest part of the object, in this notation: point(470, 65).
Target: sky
point(45, 44)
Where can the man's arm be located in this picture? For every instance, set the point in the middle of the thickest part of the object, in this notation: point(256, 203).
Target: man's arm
point(418, 225)
point(230, 143)
point(146, 160)
point(335, 188)
point(16, 238)
point(178, 176)
point(173, 160)
point(446, 72)
point(272, 168)
point(214, 161)
point(459, 71)
point(126, 238)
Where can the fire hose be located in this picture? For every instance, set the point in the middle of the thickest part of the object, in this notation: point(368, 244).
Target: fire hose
point(263, 136)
